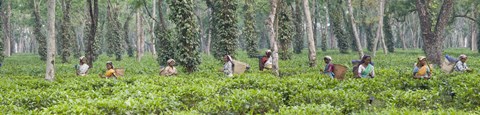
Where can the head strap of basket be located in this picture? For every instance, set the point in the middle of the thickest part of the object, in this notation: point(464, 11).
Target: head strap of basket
point(463, 56)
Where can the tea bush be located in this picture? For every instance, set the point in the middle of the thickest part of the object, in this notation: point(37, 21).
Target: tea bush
point(299, 90)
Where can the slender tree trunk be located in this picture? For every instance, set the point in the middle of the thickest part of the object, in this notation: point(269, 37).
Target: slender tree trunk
point(273, 41)
point(66, 36)
point(126, 30)
point(433, 40)
point(473, 45)
point(355, 31)
point(6, 13)
point(50, 73)
point(152, 33)
point(401, 31)
point(140, 38)
point(91, 46)
point(380, 30)
point(311, 41)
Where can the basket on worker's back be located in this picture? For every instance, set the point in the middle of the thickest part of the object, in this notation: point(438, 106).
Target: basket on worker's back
point(240, 67)
point(119, 72)
point(339, 71)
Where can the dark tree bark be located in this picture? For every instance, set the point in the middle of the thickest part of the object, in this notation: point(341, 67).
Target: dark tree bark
point(90, 49)
point(66, 35)
point(433, 35)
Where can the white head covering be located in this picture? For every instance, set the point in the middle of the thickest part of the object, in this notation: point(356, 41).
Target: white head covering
point(170, 61)
point(462, 56)
point(82, 57)
point(268, 51)
point(421, 58)
point(328, 57)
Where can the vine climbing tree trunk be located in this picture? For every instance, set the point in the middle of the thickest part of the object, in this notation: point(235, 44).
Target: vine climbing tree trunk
point(271, 31)
point(50, 69)
point(355, 31)
point(311, 41)
point(433, 35)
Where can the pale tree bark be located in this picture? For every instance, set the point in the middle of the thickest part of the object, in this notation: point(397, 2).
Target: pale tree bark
point(311, 41)
point(50, 73)
point(380, 30)
point(152, 33)
point(433, 37)
point(401, 31)
point(473, 44)
point(271, 31)
point(140, 37)
point(5, 13)
point(355, 31)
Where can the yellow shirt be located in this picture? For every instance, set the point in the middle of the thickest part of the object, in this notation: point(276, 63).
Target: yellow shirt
point(110, 73)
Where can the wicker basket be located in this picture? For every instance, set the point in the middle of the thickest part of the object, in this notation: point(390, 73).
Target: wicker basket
point(119, 72)
point(339, 71)
point(240, 67)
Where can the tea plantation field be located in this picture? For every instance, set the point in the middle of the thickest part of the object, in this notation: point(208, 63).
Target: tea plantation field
point(299, 89)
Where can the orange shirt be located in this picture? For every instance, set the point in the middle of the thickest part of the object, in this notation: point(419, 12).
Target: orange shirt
point(110, 73)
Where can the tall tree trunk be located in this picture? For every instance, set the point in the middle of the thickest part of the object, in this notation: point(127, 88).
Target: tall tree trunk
point(433, 40)
point(355, 31)
point(299, 28)
point(152, 33)
point(92, 30)
point(126, 30)
point(271, 31)
point(50, 69)
point(380, 30)
point(66, 35)
point(311, 41)
point(473, 27)
point(336, 15)
point(6, 13)
point(140, 37)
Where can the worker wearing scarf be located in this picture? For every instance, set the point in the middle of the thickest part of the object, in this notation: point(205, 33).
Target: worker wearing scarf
point(83, 67)
point(110, 73)
point(461, 66)
point(328, 66)
point(366, 69)
point(422, 70)
point(228, 66)
point(170, 70)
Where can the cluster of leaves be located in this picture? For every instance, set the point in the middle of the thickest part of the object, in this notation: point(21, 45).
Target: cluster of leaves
point(249, 32)
point(286, 31)
point(300, 90)
point(225, 35)
point(165, 45)
point(182, 15)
